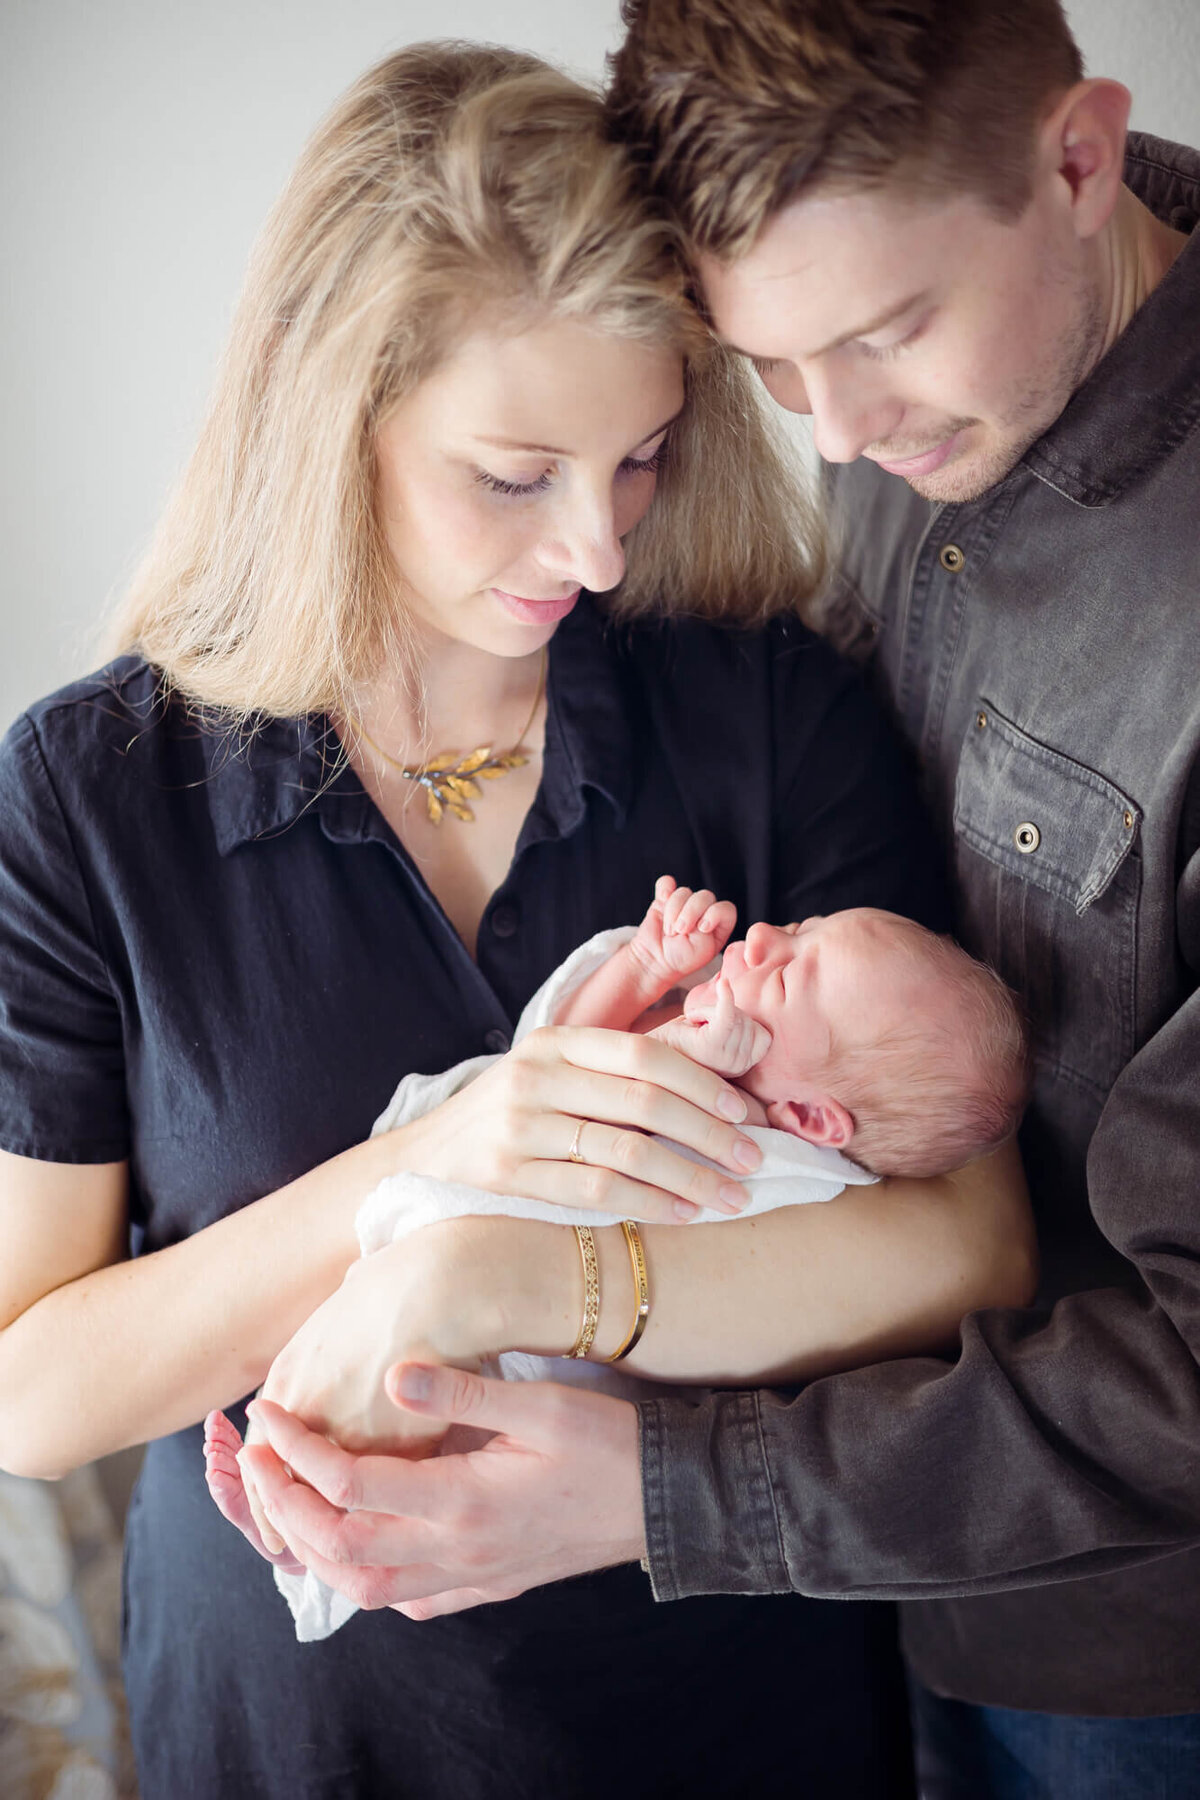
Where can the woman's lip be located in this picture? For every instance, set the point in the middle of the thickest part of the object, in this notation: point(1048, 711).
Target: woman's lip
point(536, 612)
point(924, 464)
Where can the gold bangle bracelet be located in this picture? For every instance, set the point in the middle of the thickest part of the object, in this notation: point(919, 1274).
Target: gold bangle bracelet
point(591, 1291)
point(641, 1288)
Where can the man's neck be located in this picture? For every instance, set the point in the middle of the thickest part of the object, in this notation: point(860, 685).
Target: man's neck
point(1136, 251)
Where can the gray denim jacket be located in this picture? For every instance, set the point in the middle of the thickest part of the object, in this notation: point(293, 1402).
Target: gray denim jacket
point(1038, 1501)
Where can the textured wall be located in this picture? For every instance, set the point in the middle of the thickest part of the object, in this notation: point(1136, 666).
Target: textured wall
point(141, 142)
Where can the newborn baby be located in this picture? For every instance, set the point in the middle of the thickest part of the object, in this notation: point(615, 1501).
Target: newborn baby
point(861, 1030)
point(861, 1033)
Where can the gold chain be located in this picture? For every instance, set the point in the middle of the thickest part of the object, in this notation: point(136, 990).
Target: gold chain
point(451, 782)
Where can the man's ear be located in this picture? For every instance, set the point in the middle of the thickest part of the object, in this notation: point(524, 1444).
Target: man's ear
point(1082, 143)
point(820, 1120)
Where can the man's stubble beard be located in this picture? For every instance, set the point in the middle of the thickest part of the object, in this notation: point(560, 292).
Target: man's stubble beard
point(1036, 405)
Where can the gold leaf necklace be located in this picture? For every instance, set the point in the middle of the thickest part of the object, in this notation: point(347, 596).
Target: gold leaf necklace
point(451, 782)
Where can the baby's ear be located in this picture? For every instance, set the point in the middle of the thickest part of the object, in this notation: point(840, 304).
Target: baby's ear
point(820, 1120)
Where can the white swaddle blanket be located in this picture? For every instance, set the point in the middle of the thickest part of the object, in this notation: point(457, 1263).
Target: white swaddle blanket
point(792, 1173)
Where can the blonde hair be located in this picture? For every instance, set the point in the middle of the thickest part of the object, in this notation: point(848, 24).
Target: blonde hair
point(451, 182)
point(946, 1087)
point(735, 109)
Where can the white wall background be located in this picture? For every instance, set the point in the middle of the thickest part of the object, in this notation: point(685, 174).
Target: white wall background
point(141, 144)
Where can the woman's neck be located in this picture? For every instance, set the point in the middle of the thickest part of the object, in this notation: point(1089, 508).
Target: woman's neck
point(457, 698)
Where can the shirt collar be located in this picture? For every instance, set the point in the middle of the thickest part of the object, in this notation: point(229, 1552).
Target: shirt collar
point(261, 780)
point(1144, 394)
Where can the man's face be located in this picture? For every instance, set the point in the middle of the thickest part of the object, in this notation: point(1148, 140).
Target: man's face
point(923, 333)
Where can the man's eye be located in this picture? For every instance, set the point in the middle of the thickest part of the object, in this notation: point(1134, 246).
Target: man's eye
point(885, 352)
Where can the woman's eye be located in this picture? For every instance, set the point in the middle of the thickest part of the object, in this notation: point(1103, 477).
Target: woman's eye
point(496, 485)
point(645, 465)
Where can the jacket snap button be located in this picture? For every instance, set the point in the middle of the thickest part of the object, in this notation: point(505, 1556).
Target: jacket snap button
point(1128, 817)
point(952, 558)
point(1027, 837)
point(980, 721)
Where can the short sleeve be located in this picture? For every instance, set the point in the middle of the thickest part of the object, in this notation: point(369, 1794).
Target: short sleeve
point(62, 1066)
point(850, 829)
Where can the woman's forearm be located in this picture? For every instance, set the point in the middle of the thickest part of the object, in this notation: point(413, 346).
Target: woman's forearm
point(139, 1348)
point(879, 1272)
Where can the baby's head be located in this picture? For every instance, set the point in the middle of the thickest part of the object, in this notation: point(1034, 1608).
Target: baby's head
point(888, 1042)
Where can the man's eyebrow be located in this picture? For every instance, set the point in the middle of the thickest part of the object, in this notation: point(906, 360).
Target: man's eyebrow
point(504, 443)
point(859, 331)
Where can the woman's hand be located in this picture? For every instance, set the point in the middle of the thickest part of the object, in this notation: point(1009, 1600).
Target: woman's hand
point(424, 1296)
point(565, 1117)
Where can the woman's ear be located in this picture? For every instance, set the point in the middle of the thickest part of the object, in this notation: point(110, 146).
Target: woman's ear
point(820, 1120)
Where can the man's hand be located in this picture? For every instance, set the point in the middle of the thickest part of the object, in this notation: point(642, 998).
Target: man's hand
point(555, 1491)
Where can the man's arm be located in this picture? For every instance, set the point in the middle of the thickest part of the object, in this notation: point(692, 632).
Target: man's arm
point(1057, 1445)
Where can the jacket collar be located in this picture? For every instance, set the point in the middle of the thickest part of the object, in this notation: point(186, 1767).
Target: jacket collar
point(261, 781)
point(1143, 397)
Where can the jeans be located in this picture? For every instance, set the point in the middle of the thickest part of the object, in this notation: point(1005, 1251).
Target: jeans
point(992, 1753)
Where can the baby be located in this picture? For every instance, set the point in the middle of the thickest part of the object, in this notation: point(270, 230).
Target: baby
point(861, 1030)
point(860, 1033)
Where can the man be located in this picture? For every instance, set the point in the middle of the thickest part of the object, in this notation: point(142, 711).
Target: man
point(918, 220)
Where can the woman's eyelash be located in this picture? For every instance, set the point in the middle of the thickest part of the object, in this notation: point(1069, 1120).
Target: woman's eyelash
point(497, 486)
point(632, 465)
point(764, 364)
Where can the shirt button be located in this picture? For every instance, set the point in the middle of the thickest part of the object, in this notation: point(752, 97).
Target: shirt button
point(504, 921)
point(497, 1042)
point(1027, 837)
point(952, 558)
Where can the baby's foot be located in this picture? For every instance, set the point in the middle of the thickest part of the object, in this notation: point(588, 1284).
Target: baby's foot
point(223, 1478)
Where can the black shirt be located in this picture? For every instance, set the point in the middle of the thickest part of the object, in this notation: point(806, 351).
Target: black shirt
point(217, 960)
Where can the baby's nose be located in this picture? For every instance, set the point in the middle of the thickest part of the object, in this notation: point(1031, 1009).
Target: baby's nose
point(761, 941)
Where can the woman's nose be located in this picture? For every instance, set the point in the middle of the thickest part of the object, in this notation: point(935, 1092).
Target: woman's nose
point(586, 548)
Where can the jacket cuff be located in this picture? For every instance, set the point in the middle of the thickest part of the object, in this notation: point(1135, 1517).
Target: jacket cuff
point(711, 1524)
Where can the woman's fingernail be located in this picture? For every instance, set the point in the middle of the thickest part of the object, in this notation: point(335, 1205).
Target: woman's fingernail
point(746, 1155)
point(737, 1197)
point(685, 1210)
point(731, 1106)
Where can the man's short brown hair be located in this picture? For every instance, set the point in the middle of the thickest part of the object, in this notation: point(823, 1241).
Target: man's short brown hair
point(736, 107)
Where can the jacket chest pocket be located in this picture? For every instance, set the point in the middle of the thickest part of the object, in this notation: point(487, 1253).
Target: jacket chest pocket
point(1049, 873)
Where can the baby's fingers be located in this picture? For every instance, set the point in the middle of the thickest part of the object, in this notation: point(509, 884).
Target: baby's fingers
point(686, 909)
point(718, 922)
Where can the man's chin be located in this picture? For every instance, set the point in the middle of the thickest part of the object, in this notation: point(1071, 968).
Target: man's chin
point(969, 475)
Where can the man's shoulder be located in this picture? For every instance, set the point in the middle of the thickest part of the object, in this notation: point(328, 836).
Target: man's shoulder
point(1165, 177)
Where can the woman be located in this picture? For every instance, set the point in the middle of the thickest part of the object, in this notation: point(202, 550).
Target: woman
point(232, 919)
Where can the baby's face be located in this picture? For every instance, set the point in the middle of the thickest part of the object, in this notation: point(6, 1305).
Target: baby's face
point(833, 981)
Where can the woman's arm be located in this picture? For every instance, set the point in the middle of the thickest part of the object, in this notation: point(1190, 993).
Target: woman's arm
point(880, 1272)
point(97, 1352)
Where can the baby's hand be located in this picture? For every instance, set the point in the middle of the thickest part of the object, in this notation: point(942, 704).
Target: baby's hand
point(717, 1034)
point(682, 931)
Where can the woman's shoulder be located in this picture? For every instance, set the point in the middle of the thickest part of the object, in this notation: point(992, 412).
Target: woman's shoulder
point(81, 743)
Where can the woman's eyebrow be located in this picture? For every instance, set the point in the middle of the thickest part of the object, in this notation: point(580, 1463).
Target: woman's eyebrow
point(505, 443)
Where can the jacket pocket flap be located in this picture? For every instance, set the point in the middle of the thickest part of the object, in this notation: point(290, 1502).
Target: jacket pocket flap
point(1039, 815)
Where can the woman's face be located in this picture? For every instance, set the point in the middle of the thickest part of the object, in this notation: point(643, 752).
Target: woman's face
point(508, 478)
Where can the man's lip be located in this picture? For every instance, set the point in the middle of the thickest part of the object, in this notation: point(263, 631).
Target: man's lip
point(925, 464)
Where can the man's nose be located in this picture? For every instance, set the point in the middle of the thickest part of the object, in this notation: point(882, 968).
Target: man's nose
point(849, 412)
